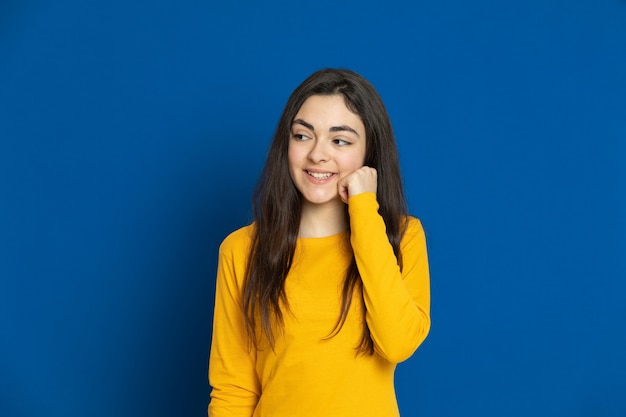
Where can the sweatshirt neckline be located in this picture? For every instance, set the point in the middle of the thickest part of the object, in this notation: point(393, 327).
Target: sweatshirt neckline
point(321, 239)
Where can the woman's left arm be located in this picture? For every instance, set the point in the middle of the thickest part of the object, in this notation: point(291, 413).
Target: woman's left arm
point(397, 301)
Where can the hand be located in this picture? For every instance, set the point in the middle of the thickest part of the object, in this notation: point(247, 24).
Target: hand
point(360, 181)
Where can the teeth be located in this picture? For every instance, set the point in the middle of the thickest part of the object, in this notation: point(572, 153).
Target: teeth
point(319, 175)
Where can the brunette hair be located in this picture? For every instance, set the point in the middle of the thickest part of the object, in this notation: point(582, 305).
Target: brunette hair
point(277, 204)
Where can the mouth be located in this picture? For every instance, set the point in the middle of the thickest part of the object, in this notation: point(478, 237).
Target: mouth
point(320, 175)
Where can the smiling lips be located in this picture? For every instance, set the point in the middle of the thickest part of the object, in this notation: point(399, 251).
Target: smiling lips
point(320, 176)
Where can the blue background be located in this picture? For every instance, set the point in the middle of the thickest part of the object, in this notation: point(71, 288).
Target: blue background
point(132, 133)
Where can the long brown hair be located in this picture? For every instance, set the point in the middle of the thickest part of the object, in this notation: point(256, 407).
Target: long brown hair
point(277, 204)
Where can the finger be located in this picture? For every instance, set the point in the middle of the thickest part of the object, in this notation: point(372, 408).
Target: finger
point(343, 192)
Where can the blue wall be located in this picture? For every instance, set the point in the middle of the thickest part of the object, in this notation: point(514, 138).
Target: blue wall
point(132, 133)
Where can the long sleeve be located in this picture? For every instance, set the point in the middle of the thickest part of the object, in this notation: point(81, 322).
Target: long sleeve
point(232, 375)
point(397, 302)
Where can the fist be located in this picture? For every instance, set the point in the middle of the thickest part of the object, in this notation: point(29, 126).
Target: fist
point(360, 181)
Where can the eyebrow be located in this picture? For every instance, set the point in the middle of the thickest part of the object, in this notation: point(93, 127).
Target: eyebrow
point(342, 128)
point(303, 123)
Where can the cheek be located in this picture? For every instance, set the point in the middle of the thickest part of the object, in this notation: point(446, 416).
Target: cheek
point(354, 161)
point(293, 159)
point(291, 154)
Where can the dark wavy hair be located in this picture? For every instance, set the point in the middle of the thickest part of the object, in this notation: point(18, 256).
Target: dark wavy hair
point(277, 204)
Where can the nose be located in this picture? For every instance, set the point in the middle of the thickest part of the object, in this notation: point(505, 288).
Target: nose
point(318, 152)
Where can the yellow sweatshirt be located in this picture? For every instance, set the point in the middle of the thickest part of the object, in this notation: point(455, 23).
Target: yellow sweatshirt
point(308, 374)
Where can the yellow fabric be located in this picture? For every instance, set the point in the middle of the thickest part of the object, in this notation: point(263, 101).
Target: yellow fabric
point(308, 374)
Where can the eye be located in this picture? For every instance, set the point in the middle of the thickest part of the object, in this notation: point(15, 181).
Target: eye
point(300, 137)
point(341, 142)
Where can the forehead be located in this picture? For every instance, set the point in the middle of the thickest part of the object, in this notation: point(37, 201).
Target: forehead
point(323, 112)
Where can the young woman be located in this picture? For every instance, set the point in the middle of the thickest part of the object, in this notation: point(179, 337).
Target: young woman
point(328, 289)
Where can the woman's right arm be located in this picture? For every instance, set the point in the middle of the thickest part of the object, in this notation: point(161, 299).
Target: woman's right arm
point(232, 374)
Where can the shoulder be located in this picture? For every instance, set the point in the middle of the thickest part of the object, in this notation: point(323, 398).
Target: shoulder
point(413, 225)
point(237, 243)
point(414, 230)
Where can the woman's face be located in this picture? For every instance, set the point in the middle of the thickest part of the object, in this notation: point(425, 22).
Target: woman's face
point(327, 143)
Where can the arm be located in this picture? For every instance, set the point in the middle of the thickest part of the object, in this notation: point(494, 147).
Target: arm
point(397, 303)
point(232, 375)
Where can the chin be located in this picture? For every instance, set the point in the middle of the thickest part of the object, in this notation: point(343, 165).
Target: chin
point(320, 201)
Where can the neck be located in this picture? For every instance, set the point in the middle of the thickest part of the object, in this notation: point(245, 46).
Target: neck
point(321, 220)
